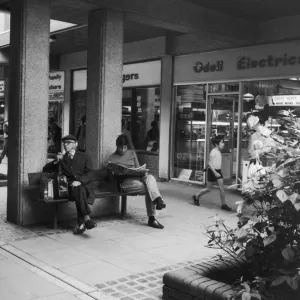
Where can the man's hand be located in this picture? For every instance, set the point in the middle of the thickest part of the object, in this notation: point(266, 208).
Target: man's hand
point(76, 183)
point(59, 156)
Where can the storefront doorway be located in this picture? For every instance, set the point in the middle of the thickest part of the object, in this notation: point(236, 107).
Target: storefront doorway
point(202, 112)
point(223, 121)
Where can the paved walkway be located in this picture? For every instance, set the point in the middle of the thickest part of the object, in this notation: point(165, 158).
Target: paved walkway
point(120, 259)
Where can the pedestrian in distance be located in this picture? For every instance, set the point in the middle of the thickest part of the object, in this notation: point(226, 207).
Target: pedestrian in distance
point(214, 173)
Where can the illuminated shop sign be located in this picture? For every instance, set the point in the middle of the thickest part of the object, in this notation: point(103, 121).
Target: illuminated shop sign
point(142, 74)
point(56, 85)
point(208, 67)
point(272, 60)
point(269, 61)
point(284, 100)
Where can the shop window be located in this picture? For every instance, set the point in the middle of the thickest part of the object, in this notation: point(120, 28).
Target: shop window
point(141, 115)
point(268, 98)
point(190, 132)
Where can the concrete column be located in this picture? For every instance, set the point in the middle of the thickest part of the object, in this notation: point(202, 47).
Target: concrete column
point(166, 100)
point(28, 99)
point(104, 83)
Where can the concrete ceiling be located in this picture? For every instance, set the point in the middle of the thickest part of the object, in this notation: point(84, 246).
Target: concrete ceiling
point(255, 10)
point(228, 19)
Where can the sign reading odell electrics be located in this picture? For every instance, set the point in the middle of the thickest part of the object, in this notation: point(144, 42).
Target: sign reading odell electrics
point(274, 60)
point(56, 85)
point(142, 74)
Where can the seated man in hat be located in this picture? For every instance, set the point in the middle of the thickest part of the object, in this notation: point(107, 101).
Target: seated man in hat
point(144, 184)
point(76, 166)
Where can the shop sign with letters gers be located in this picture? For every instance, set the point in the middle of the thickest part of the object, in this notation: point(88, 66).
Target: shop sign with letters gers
point(284, 100)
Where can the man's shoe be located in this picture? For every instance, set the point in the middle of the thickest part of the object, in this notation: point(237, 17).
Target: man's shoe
point(90, 224)
point(160, 204)
point(196, 201)
point(226, 207)
point(155, 224)
point(80, 229)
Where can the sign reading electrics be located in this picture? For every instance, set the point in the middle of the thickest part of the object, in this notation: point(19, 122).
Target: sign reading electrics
point(56, 85)
point(142, 74)
point(273, 60)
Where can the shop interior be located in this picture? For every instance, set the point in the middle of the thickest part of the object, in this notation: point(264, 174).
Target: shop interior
point(141, 114)
point(206, 110)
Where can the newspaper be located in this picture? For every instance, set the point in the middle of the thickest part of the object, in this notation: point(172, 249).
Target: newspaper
point(121, 170)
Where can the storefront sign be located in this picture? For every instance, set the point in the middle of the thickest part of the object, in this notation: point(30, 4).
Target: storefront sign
point(208, 67)
point(284, 100)
point(142, 74)
point(56, 85)
point(2, 88)
point(274, 60)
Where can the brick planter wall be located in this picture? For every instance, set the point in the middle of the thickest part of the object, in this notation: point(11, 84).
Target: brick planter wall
point(194, 282)
point(150, 159)
point(198, 282)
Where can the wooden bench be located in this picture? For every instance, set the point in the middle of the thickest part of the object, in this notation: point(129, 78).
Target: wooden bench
point(100, 184)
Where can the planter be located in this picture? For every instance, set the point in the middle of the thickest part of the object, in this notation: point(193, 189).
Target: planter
point(211, 280)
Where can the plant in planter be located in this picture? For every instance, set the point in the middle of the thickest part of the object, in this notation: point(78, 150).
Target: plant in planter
point(267, 236)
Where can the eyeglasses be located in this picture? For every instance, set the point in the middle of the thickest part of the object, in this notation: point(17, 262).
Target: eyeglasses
point(68, 142)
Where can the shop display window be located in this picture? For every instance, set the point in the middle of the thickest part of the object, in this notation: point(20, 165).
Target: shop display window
point(269, 97)
point(141, 117)
point(55, 115)
point(190, 132)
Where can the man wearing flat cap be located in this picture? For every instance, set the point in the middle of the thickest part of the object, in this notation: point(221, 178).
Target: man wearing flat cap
point(77, 167)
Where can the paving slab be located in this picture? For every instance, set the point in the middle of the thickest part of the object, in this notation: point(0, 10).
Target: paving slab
point(120, 259)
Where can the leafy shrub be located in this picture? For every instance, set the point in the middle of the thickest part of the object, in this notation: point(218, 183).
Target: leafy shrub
point(267, 235)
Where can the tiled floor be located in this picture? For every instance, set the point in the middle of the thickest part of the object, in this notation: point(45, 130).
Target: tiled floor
point(120, 259)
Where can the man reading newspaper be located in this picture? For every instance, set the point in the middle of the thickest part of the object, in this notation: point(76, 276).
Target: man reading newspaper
point(124, 165)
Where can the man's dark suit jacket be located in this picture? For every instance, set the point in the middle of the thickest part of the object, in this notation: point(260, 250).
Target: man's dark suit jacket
point(77, 169)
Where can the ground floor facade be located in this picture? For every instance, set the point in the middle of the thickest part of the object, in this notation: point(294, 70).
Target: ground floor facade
point(212, 94)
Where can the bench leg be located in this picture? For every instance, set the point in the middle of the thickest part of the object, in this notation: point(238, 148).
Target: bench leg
point(124, 206)
point(55, 215)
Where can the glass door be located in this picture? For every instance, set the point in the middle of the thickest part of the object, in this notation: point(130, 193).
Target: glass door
point(223, 117)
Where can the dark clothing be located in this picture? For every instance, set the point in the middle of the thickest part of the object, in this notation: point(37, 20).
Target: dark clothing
point(153, 134)
point(77, 169)
point(211, 176)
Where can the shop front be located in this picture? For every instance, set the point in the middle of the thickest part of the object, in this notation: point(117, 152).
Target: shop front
point(140, 108)
point(214, 93)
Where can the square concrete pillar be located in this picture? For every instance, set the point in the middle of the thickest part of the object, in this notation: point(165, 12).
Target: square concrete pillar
point(104, 83)
point(166, 109)
point(28, 109)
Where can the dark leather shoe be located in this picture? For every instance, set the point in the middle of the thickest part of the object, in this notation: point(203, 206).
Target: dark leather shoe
point(196, 201)
point(80, 229)
point(90, 224)
point(226, 207)
point(155, 224)
point(160, 204)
